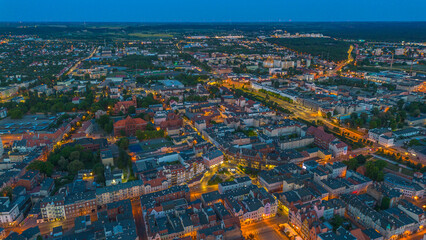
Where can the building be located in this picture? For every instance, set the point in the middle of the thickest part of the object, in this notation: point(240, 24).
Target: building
point(9, 211)
point(337, 169)
point(374, 134)
point(338, 148)
point(52, 208)
point(322, 139)
point(29, 180)
point(124, 106)
point(406, 187)
point(129, 126)
point(80, 204)
point(113, 177)
point(237, 183)
point(416, 121)
point(386, 141)
point(213, 158)
point(407, 132)
point(119, 192)
point(107, 158)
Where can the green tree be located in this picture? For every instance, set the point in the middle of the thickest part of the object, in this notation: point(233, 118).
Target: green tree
point(123, 160)
point(373, 124)
point(336, 222)
point(75, 166)
point(351, 163)
point(63, 163)
point(385, 204)
point(123, 143)
point(99, 170)
point(74, 156)
point(43, 167)
point(15, 114)
point(131, 110)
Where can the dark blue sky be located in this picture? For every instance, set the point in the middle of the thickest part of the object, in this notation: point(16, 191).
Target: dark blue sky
point(211, 10)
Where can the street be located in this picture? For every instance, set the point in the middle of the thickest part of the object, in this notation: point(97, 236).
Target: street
point(139, 221)
point(267, 229)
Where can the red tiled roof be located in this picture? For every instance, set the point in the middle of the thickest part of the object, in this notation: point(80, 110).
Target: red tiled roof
point(128, 120)
point(320, 134)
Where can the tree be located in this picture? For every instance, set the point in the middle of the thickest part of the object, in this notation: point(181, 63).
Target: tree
point(131, 110)
point(43, 167)
point(351, 163)
point(123, 143)
point(361, 159)
point(385, 204)
point(123, 160)
point(380, 164)
point(109, 127)
point(335, 112)
point(374, 170)
point(400, 104)
point(336, 222)
point(373, 124)
point(74, 156)
point(75, 166)
point(16, 114)
point(63, 163)
point(99, 170)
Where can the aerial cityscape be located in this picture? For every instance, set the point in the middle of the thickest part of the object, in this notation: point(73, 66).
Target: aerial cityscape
point(211, 129)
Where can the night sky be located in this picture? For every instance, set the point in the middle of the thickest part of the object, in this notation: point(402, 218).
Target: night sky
point(211, 10)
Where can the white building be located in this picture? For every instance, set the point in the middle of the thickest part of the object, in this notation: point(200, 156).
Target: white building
point(8, 211)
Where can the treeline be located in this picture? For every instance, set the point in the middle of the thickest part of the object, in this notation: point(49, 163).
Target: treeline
point(70, 159)
point(130, 61)
point(191, 80)
point(276, 95)
point(326, 48)
point(373, 169)
point(270, 104)
point(48, 104)
point(394, 117)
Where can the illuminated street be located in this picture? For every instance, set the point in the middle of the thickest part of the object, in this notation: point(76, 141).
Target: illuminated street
point(267, 229)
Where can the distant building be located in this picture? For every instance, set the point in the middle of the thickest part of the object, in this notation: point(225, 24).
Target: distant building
point(129, 126)
point(124, 106)
point(416, 121)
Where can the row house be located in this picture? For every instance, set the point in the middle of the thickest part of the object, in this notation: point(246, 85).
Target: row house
point(128, 190)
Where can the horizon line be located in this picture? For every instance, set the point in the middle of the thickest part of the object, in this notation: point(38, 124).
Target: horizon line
point(214, 22)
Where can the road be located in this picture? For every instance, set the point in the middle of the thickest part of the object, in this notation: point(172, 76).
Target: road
point(309, 115)
point(300, 111)
point(139, 221)
point(46, 227)
point(417, 236)
point(267, 229)
point(79, 61)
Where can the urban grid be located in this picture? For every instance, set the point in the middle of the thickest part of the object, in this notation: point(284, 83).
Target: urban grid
point(212, 131)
